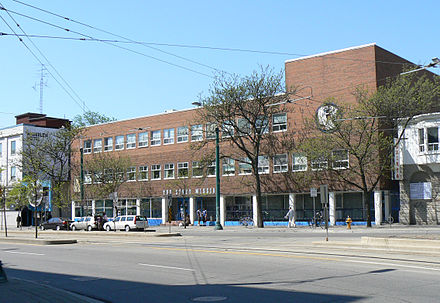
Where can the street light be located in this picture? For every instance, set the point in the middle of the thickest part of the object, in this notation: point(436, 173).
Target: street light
point(218, 225)
point(434, 63)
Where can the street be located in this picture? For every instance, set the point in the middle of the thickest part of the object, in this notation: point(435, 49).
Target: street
point(209, 266)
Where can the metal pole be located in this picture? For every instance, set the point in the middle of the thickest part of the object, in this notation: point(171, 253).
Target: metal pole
point(4, 210)
point(326, 222)
point(218, 225)
point(314, 212)
point(81, 184)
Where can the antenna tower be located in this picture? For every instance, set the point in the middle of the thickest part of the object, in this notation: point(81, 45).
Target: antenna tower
point(42, 85)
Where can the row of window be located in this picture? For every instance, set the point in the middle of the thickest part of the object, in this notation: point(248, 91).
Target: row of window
point(12, 150)
point(171, 135)
point(428, 139)
point(279, 162)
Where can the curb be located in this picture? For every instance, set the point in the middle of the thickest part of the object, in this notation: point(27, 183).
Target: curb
point(39, 241)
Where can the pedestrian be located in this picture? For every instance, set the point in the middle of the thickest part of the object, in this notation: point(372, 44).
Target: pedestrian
point(291, 216)
point(18, 221)
point(204, 216)
point(199, 216)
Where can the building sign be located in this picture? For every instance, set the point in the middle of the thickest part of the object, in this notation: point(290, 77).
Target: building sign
point(420, 191)
point(188, 191)
point(397, 163)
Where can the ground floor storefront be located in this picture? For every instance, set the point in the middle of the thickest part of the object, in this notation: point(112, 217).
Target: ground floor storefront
point(202, 208)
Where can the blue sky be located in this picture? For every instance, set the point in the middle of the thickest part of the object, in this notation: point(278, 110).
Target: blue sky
point(123, 84)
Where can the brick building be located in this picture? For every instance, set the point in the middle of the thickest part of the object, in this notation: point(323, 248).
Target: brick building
point(159, 149)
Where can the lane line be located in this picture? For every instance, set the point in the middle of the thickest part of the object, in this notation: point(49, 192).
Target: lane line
point(392, 264)
point(167, 267)
point(23, 253)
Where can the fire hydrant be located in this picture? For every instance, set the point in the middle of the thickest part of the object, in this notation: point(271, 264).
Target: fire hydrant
point(348, 221)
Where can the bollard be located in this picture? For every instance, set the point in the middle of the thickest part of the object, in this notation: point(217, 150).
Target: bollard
point(3, 277)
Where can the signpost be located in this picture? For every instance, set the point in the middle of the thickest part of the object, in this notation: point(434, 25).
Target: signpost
point(314, 194)
point(170, 213)
point(323, 190)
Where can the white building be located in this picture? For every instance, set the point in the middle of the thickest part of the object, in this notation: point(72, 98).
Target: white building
point(420, 180)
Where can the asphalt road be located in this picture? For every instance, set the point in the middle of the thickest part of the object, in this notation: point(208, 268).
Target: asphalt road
point(209, 267)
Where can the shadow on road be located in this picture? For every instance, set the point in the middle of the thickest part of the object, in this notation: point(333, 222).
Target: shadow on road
point(113, 290)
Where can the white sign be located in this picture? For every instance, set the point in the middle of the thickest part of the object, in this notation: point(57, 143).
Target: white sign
point(313, 192)
point(420, 191)
point(397, 165)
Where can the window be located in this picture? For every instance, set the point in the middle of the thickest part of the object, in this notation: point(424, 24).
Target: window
point(210, 130)
point(108, 144)
point(263, 164)
point(143, 173)
point(319, 163)
point(421, 132)
point(299, 162)
point(244, 126)
point(280, 163)
point(143, 139)
point(155, 137)
point(182, 170)
point(155, 172)
point(432, 133)
point(13, 173)
point(13, 147)
point(340, 159)
point(227, 129)
point(97, 145)
point(196, 132)
point(262, 125)
point(168, 136)
point(244, 167)
point(169, 171)
point(131, 173)
point(87, 177)
point(182, 134)
point(197, 170)
point(210, 170)
point(279, 122)
point(87, 146)
point(119, 142)
point(228, 167)
point(131, 141)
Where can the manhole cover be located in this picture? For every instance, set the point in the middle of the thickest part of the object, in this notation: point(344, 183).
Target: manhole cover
point(209, 299)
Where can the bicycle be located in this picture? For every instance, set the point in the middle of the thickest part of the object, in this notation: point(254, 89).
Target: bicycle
point(246, 221)
point(390, 220)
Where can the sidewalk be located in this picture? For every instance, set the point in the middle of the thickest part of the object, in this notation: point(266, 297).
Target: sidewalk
point(23, 291)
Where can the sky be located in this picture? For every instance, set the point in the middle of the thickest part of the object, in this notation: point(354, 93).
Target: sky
point(184, 43)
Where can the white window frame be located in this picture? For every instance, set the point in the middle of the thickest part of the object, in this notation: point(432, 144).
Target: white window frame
point(182, 134)
point(197, 132)
point(131, 141)
point(227, 129)
point(319, 164)
point(168, 136)
point(228, 167)
point(197, 167)
point(13, 173)
point(280, 165)
point(155, 138)
point(13, 147)
point(87, 177)
point(244, 167)
point(182, 167)
point(118, 144)
point(279, 126)
point(143, 139)
point(156, 168)
point(211, 169)
point(169, 171)
point(263, 164)
point(340, 163)
point(131, 174)
point(210, 131)
point(262, 121)
point(143, 173)
point(299, 162)
point(97, 145)
point(434, 145)
point(87, 146)
point(108, 146)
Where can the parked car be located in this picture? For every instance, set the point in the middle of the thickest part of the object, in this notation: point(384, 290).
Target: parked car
point(87, 223)
point(56, 223)
point(127, 223)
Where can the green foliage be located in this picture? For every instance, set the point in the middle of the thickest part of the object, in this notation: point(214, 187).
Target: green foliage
point(91, 118)
point(24, 192)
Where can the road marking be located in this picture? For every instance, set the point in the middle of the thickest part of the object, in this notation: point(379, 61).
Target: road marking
point(168, 267)
point(23, 253)
point(392, 264)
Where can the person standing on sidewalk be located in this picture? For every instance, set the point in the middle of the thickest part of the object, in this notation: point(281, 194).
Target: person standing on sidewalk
point(291, 216)
point(18, 221)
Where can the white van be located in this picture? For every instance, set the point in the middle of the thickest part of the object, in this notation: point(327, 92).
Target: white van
point(127, 223)
point(87, 223)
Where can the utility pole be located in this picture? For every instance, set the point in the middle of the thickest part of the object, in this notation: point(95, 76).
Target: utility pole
point(81, 184)
point(218, 225)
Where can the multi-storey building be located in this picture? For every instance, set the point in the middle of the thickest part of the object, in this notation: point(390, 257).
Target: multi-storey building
point(11, 145)
point(419, 155)
point(164, 165)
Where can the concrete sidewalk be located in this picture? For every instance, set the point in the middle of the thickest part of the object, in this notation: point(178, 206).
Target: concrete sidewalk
point(23, 291)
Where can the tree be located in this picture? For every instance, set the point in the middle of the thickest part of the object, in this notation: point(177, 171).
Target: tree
point(91, 118)
point(241, 108)
point(358, 151)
